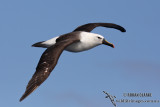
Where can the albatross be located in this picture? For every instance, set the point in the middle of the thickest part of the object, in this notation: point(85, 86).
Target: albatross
point(80, 39)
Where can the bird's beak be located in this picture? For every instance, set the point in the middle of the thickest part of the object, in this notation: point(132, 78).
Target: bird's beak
point(107, 43)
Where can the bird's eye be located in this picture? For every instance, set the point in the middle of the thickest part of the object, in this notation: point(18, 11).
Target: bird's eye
point(99, 37)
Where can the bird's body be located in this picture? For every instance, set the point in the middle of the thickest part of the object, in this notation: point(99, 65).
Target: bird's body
point(86, 42)
point(79, 40)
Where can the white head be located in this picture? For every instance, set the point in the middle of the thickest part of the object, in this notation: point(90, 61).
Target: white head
point(93, 39)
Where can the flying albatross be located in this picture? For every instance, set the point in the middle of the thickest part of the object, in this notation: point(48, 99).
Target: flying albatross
point(80, 39)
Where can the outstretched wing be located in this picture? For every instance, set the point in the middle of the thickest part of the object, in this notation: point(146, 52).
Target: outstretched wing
point(90, 26)
point(46, 64)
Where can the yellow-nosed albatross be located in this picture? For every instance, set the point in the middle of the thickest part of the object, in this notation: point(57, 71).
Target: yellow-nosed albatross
point(79, 40)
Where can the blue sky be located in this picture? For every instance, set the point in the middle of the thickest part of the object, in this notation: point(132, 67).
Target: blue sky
point(79, 78)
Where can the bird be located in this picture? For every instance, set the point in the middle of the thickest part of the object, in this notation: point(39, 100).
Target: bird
point(78, 40)
point(110, 97)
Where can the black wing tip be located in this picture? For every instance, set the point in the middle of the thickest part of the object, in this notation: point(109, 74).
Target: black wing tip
point(122, 29)
point(21, 99)
point(115, 26)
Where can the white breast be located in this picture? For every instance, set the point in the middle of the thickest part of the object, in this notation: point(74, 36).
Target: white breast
point(87, 41)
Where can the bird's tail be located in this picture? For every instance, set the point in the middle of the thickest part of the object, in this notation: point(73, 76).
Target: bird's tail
point(46, 44)
point(40, 44)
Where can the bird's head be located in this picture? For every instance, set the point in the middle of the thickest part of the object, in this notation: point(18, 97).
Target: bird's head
point(102, 40)
point(92, 39)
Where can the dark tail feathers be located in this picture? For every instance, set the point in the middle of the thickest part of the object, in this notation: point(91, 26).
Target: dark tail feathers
point(40, 44)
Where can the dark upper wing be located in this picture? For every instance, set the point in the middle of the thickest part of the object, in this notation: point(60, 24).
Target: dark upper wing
point(90, 26)
point(67, 36)
point(46, 64)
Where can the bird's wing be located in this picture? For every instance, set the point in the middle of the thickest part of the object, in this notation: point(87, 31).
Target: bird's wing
point(46, 64)
point(90, 26)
